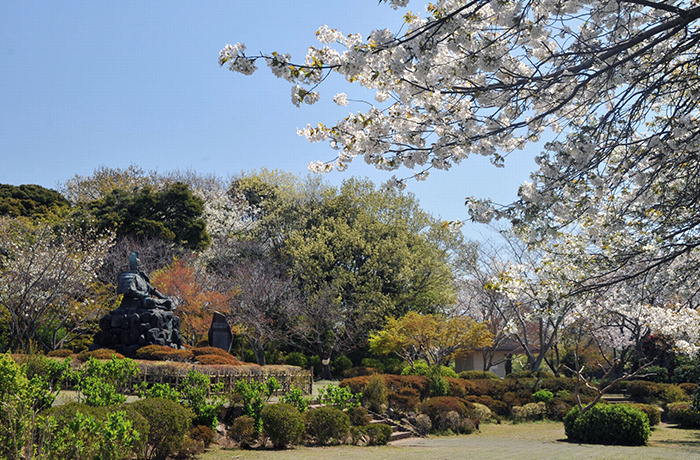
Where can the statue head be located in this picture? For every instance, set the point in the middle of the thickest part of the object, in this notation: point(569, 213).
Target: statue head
point(134, 262)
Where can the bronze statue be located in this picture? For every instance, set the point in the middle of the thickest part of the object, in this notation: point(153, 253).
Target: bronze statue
point(138, 291)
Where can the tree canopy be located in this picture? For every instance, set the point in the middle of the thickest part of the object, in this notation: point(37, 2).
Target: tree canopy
point(172, 213)
point(434, 338)
point(30, 200)
point(613, 86)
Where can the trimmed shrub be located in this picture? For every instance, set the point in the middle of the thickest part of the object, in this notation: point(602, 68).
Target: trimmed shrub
point(438, 407)
point(530, 375)
point(357, 435)
point(673, 393)
point(642, 391)
point(199, 351)
point(406, 400)
point(529, 412)
point(457, 387)
point(378, 434)
point(653, 412)
point(657, 374)
point(468, 426)
point(283, 424)
point(374, 395)
point(683, 414)
point(360, 371)
point(359, 416)
point(169, 422)
point(243, 431)
point(163, 353)
point(688, 388)
point(341, 364)
point(100, 353)
point(326, 424)
point(481, 412)
point(452, 420)
point(545, 396)
point(478, 375)
point(568, 384)
point(558, 409)
point(373, 363)
point(423, 424)
point(497, 407)
point(617, 424)
point(212, 359)
point(296, 359)
point(60, 353)
point(203, 434)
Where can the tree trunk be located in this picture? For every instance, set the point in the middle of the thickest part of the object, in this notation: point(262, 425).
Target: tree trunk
point(259, 353)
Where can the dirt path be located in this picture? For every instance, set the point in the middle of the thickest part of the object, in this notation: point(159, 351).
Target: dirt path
point(535, 441)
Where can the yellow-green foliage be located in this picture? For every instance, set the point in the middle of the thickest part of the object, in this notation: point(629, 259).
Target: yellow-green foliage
point(528, 412)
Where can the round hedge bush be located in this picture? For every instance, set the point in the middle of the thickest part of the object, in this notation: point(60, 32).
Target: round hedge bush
point(243, 431)
point(682, 413)
point(169, 423)
point(283, 424)
point(163, 353)
point(653, 412)
point(617, 424)
point(60, 353)
point(378, 434)
point(438, 407)
point(327, 423)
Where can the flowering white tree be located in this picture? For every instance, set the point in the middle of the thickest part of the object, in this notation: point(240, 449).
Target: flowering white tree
point(45, 280)
point(614, 82)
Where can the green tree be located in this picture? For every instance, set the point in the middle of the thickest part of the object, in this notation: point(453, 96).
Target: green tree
point(360, 256)
point(172, 213)
point(30, 201)
point(434, 338)
point(355, 254)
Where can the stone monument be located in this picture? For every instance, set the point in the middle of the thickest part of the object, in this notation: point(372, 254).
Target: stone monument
point(220, 335)
point(144, 317)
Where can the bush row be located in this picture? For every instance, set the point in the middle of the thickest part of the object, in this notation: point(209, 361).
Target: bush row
point(405, 393)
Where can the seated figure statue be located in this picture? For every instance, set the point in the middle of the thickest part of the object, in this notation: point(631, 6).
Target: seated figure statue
point(138, 291)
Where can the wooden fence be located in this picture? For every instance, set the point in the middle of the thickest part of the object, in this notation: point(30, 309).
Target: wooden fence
point(288, 377)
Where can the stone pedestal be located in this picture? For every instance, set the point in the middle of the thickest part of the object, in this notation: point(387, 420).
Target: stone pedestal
point(126, 330)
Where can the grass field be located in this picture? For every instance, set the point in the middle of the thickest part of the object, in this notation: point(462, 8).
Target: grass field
point(536, 441)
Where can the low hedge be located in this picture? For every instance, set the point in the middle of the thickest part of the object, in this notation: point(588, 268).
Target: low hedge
point(100, 353)
point(394, 383)
point(478, 375)
point(617, 424)
point(652, 392)
point(163, 353)
point(653, 412)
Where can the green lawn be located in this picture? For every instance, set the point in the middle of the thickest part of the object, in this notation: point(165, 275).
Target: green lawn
point(537, 441)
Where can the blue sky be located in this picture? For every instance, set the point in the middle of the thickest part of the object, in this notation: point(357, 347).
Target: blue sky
point(85, 84)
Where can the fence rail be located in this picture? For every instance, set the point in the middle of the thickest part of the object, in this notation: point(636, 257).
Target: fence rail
point(172, 374)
